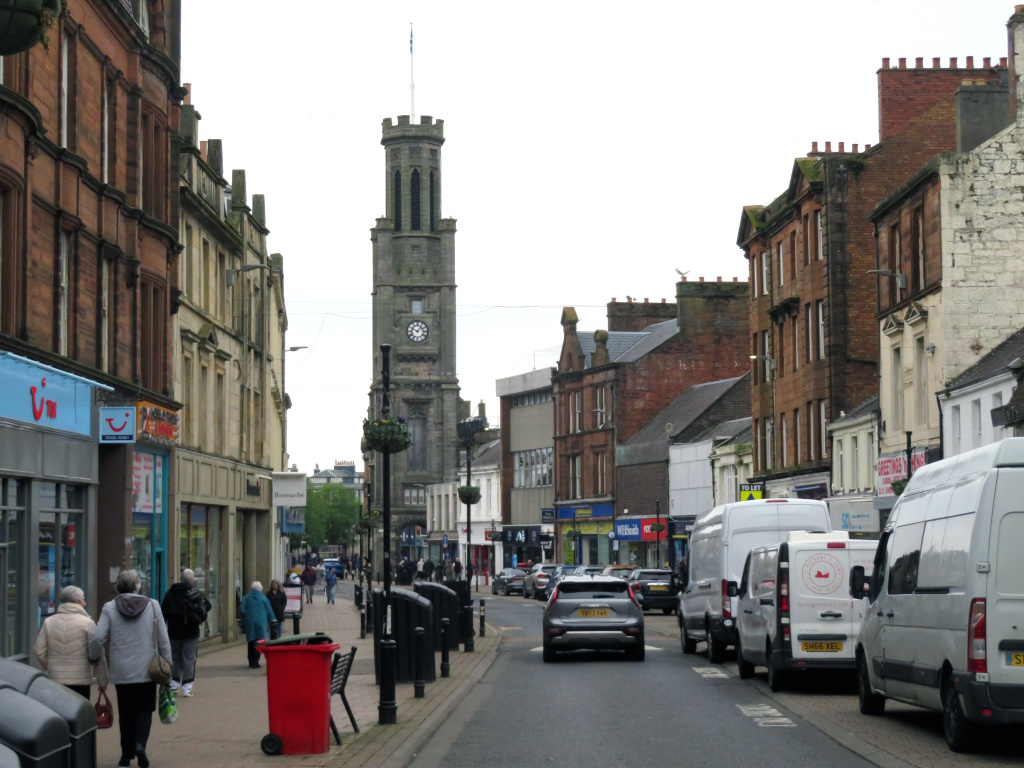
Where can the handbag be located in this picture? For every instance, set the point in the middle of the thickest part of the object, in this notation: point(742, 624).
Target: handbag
point(168, 706)
point(159, 668)
point(104, 710)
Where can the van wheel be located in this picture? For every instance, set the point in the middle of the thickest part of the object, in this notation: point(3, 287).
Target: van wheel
point(776, 676)
point(961, 733)
point(716, 650)
point(870, 703)
point(746, 668)
point(688, 643)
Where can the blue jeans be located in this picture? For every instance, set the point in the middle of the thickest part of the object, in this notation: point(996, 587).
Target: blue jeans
point(330, 594)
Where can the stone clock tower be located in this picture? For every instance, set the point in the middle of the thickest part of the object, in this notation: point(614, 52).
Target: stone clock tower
point(414, 312)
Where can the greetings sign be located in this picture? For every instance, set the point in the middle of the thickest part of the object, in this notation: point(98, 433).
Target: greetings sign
point(147, 483)
point(154, 421)
point(895, 468)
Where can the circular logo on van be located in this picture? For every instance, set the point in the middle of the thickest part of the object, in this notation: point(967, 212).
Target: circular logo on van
point(823, 574)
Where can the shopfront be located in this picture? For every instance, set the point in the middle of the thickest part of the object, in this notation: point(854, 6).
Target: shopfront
point(583, 533)
point(521, 544)
point(48, 477)
point(639, 542)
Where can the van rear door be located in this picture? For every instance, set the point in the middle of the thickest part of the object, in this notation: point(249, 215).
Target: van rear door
point(1004, 610)
point(822, 620)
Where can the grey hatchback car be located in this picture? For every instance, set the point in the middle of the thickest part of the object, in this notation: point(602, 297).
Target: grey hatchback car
point(595, 612)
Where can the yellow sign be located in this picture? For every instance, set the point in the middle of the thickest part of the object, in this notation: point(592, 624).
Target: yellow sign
point(751, 491)
point(592, 526)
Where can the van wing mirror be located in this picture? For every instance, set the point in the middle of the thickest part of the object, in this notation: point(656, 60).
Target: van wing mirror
point(732, 589)
point(857, 582)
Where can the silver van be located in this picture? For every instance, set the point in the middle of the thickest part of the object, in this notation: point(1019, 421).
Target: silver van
point(944, 622)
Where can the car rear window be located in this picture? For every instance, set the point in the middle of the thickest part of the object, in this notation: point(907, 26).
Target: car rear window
point(655, 575)
point(614, 587)
point(549, 568)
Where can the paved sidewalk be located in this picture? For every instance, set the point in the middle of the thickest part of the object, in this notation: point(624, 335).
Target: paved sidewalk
point(223, 723)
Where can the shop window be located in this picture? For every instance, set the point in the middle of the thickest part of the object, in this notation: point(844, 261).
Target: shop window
point(149, 471)
point(62, 555)
point(199, 549)
point(13, 493)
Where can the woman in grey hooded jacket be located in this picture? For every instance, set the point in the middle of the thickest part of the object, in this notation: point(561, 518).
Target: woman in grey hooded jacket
point(130, 622)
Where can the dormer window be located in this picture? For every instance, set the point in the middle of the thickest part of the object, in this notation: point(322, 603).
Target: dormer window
point(141, 14)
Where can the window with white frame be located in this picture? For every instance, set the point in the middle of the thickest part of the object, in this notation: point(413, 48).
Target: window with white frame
point(62, 292)
point(766, 347)
point(600, 406)
point(796, 435)
point(821, 329)
point(575, 479)
point(769, 432)
point(753, 273)
point(65, 66)
point(808, 328)
point(105, 120)
point(854, 463)
point(820, 232)
point(729, 485)
point(532, 468)
point(920, 381)
point(839, 465)
point(601, 469)
point(106, 290)
point(784, 456)
point(796, 344)
point(780, 250)
point(822, 429)
point(810, 431)
point(976, 423)
point(764, 272)
point(870, 445)
point(578, 408)
point(955, 429)
point(757, 444)
point(997, 402)
point(896, 387)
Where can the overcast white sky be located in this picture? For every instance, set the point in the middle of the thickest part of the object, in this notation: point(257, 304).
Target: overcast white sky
point(591, 148)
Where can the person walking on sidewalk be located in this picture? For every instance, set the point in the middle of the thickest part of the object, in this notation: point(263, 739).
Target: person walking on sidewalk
point(309, 582)
point(130, 623)
point(419, 570)
point(62, 647)
point(428, 569)
point(257, 613)
point(449, 571)
point(457, 570)
point(279, 602)
point(185, 609)
point(330, 582)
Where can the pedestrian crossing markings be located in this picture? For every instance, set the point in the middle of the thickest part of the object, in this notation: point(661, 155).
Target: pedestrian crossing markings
point(766, 716)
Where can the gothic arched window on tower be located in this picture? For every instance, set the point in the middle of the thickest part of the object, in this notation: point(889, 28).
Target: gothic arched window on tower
point(416, 456)
point(398, 201)
point(414, 201)
point(433, 207)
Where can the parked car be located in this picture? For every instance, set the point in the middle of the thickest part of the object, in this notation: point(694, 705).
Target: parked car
point(796, 611)
point(721, 539)
point(657, 587)
point(537, 579)
point(560, 572)
point(508, 581)
point(593, 612)
point(943, 624)
point(589, 570)
point(622, 571)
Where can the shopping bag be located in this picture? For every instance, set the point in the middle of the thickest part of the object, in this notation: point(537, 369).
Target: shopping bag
point(104, 710)
point(168, 707)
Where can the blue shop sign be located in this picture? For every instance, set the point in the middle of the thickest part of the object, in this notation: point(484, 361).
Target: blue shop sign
point(38, 394)
point(627, 530)
point(408, 536)
point(547, 515)
point(585, 511)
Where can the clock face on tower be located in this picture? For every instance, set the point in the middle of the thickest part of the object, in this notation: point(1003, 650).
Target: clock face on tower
point(417, 331)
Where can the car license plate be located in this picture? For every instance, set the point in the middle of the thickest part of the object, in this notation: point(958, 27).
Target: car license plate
point(658, 588)
point(594, 612)
point(1015, 659)
point(818, 646)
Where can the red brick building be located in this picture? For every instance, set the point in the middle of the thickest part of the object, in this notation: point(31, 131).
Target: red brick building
point(88, 274)
point(610, 384)
point(813, 303)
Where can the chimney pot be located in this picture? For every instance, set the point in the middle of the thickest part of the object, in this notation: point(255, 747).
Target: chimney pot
point(719, 278)
point(663, 301)
point(188, 92)
point(646, 300)
point(970, 62)
point(1018, 9)
point(613, 299)
point(903, 62)
point(936, 63)
point(987, 62)
point(702, 279)
point(1002, 62)
point(735, 279)
point(828, 146)
point(952, 62)
point(919, 62)
point(867, 147)
point(885, 63)
point(841, 146)
point(814, 146)
point(855, 149)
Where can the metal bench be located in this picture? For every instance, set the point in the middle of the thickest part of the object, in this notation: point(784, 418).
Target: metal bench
point(340, 669)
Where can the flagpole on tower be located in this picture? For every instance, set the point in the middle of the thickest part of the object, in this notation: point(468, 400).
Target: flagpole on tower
point(412, 80)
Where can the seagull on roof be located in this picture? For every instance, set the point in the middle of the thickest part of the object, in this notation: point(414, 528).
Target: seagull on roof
point(681, 273)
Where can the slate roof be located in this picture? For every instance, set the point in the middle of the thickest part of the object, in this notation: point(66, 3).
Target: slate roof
point(655, 336)
point(650, 444)
point(993, 363)
point(486, 455)
point(618, 343)
point(744, 437)
point(726, 429)
point(871, 404)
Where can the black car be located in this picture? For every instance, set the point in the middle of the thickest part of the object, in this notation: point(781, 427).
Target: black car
point(658, 588)
point(560, 571)
point(508, 581)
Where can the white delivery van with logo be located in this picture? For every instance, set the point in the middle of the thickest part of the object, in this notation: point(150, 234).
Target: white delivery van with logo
point(944, 613)
point(795, 607)
point(719, 544)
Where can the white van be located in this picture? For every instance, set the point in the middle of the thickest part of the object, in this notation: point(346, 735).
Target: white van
point(944, 617)
point(719, 544)
point(796, 610)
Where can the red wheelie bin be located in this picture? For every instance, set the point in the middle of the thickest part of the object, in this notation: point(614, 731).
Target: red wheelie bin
point(298, 693)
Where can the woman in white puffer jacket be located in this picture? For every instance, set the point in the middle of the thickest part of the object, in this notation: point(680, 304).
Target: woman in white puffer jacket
point(62, 647)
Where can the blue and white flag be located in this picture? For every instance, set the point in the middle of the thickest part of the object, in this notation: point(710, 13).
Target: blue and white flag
point(410, 39)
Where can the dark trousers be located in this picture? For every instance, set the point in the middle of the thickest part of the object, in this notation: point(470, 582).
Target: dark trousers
point(136, 703)
point(254, 655)
point(85, 691)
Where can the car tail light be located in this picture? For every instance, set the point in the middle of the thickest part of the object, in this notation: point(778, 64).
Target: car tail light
point(632, 596)
point(554, 595)
point(837, 545)
point(977, 658)
point(784, 593)
point(726, 600)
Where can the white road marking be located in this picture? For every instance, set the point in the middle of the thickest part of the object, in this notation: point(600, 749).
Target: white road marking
point(508, 629)
point(710, 672)
point(766, 716)
point(538, 649)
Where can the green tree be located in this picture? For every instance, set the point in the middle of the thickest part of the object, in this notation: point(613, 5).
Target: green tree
point(332, 514)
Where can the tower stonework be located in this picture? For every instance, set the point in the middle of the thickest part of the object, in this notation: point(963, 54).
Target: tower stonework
point(414, 312)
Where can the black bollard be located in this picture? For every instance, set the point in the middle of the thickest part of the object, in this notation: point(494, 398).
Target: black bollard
point(358, 591)
point(387, 709)
point(446, 628)
point(418, 683)
point(362, 621)
point(295, 623)
point(467, 625)
point(369, 614)
point(483, 612)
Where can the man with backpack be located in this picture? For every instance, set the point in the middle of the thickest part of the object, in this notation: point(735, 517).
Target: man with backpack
point(185, 609)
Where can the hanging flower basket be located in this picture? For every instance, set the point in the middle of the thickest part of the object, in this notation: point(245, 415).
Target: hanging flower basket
point(898, 486)
point(386, 435)
point(23, 23)
point(469, 494)
point(658, 527)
